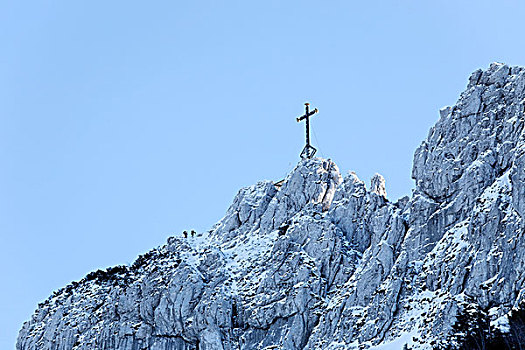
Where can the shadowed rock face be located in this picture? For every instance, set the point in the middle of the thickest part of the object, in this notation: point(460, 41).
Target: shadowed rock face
point(323, 262)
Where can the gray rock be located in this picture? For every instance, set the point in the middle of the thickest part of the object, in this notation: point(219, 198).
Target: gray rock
point(377, 185)
point(322, 262)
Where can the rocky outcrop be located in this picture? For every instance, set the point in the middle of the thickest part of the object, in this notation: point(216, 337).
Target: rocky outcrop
point(322, 262)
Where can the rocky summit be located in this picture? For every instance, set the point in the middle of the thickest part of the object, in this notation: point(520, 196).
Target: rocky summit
point(325, 262)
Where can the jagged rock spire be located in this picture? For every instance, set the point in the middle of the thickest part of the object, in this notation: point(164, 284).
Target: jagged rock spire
point(377, 185)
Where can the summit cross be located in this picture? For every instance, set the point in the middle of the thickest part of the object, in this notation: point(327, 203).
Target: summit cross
point(308, 150)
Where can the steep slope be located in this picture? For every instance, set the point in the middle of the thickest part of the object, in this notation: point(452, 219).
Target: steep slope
point(325, 263)
point(464, 243)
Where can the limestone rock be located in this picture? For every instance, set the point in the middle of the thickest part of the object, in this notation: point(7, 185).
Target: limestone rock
point(377, 185)
point(322, 262)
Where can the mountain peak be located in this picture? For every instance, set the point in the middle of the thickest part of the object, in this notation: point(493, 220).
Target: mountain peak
point(321, 262)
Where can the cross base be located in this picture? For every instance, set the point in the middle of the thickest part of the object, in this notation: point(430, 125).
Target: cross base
point(308, 152)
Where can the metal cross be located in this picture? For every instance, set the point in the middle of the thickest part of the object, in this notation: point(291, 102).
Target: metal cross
point(308, 150)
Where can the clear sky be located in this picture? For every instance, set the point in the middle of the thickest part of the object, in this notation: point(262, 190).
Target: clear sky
point(125, 122)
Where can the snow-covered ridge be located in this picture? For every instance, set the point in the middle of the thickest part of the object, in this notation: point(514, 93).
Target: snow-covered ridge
point(323, 262)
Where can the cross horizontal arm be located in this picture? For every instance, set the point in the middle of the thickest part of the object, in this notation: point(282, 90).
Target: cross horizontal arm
point(309, 114)
point(313, 112)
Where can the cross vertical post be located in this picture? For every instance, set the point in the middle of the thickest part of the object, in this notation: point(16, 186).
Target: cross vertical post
point(308, 150)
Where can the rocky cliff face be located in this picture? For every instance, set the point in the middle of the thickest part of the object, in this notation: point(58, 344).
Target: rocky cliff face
point(322, 262)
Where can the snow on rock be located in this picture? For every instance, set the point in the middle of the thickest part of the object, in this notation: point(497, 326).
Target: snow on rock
point(322, 262)
point(378, 185)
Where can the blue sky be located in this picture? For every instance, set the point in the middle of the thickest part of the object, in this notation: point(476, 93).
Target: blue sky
point(122, 122)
